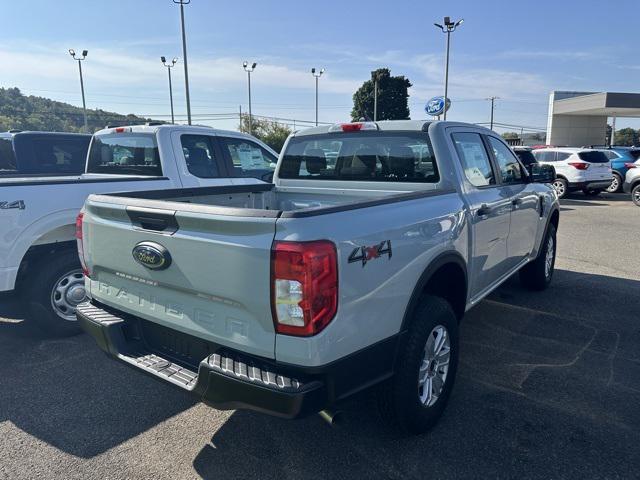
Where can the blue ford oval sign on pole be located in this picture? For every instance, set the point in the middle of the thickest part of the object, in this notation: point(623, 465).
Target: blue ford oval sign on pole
point(436, 106)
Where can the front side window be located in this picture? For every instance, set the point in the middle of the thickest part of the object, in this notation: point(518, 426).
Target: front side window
point(125, 154)
point(250, 159)
point(611, 155)
point(361, 156)
point(510, 170)
point(474, 158)
point(199, 156)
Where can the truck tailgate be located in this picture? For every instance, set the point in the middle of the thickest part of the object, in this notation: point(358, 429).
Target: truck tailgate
point(215, 280)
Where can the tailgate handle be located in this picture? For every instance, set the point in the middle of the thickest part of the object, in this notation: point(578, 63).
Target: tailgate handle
point(154, 220)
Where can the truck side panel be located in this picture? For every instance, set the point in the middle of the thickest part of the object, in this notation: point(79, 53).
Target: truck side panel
point(380, 287)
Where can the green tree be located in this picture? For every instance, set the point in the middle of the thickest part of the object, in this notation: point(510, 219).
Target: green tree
point(393, 97)
point(270, 132)
point(627, 136)
point(510, 135)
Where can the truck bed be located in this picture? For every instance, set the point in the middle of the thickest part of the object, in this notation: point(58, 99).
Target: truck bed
point(262, 200)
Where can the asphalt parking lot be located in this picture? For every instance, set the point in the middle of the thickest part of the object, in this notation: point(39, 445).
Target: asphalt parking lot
point(548, 387)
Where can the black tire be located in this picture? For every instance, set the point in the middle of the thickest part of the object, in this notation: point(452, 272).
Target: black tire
point(39, 290)
point(635, 195)
point(591, 192)
point(399, 397)
point(616, 184)
point(534, 275)
point(561, 186)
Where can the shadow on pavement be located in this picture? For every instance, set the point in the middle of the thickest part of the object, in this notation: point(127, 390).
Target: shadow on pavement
point(67, 393)
point(545, 388)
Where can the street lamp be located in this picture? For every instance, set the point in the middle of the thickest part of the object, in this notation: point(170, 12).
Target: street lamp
point(184, 56)
point(249, 69)
point(448, 27)
point(169, 67)
point(79, 59)
point(317, 75)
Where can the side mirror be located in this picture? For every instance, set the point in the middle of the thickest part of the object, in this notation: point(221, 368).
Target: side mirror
point(541, 173)
point(268, 177)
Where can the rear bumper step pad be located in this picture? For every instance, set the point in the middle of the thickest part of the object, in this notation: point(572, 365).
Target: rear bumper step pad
point(224, 380)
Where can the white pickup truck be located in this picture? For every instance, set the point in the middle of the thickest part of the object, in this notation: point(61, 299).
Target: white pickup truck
point(351, 270)
point(38, 253)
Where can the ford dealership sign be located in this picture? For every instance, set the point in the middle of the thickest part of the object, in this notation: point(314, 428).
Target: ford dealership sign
point(436, 106)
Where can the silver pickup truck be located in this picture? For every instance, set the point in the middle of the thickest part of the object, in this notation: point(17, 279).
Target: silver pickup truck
point(351, 271)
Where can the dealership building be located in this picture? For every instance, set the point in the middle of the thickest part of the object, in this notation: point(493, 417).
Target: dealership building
point(580, 118)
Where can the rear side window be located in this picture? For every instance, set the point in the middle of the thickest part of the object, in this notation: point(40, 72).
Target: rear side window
point(474, 158)
point(562, 156)
point(545, 156)
point(199, 156)
point(53, 154)
point(250, 159)
point(593, 157)
point(361, 156)
point(125, 154)
point(7, 157)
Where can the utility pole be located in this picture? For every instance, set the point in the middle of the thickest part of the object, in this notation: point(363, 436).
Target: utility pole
point(169, 66)
point(249, 69)
point(84, 104)
point(612, 140)
point(493, 99)
point(184, 56)
point(449, 27)
point(317, 75)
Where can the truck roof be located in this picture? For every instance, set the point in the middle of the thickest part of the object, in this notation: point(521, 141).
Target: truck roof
point(384, 125)
point(156, 128)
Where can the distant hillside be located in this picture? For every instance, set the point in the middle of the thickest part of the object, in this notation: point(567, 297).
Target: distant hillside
point(21, 112)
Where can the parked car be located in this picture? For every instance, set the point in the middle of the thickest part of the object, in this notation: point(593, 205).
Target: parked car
point(37, 213)
point(42, 153)
point(525, 154)
point(632, 182)
point(622, 158)
point(290, 297)
point(577, 169)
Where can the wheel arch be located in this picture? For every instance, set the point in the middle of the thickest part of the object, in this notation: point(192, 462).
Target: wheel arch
point(447, 270)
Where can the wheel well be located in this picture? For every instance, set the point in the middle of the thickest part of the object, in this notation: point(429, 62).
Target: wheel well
point(449, 282)
point(555, 219)
point(36, 252)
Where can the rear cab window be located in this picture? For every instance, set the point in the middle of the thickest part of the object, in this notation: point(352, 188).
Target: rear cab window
point(474, 158)
point(378, 156)
point(125, 154)
point(7, 157)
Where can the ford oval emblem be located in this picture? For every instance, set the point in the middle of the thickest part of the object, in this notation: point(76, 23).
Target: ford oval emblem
point(436, 106)
point(151, 255)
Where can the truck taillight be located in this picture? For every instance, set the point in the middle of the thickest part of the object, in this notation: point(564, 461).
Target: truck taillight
point(79, 241)
point(304, 286)
point(579, 165)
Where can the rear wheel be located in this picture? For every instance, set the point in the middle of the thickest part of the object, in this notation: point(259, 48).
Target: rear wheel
point(54, 291)
point(616, 184)
point(635, 195)
point(415, 397)
point(561, 187)
point(537, 274)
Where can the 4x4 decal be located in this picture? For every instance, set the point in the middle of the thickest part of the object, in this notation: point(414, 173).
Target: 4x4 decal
point(364, 254)
point(19, 204)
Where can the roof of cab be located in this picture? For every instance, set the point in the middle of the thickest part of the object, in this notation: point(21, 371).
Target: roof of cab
point(156, 128)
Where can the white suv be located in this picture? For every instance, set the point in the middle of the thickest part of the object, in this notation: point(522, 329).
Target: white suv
point(577, 169)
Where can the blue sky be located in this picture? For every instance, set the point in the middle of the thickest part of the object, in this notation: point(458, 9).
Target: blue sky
point(518, 51)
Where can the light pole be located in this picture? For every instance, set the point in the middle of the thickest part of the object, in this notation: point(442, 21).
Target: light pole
point(375, 99)
point(249, 69)
point(169, 67)
point(317, 75)
point(493, 99)
point(184, 56)
point(79, 60)
point(448, 27)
